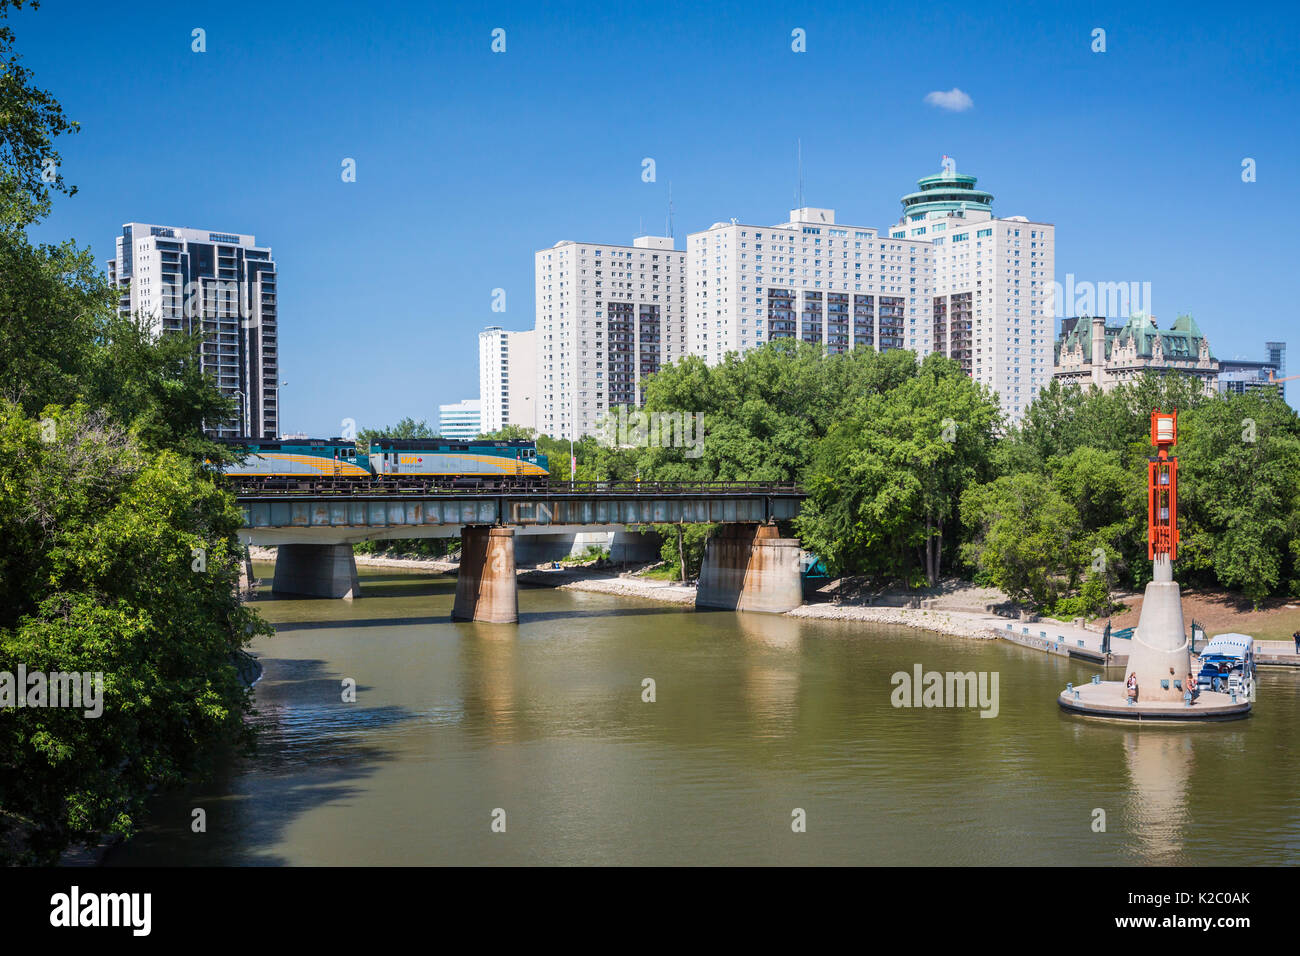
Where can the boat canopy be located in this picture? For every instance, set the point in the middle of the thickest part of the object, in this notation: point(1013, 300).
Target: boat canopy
point(1229, 645)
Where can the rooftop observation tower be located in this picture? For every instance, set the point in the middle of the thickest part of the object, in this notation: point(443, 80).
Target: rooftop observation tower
point(945, 194)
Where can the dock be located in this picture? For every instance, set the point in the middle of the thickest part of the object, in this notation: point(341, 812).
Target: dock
point(1065, 640)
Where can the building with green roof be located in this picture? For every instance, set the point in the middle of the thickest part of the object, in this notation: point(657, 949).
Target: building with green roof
point(1090, 352)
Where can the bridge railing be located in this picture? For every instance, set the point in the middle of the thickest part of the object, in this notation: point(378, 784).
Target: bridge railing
point(255, 487)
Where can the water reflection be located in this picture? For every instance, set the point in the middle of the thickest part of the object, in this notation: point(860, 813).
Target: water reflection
point(771, 673)
point(754, 715)
point(1159, 762)
point(489, 655)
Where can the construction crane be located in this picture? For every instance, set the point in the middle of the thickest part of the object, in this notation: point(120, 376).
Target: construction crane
point(1277, 381)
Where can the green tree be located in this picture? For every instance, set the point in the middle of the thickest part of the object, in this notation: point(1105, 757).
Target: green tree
point(1239, 489)
point(406, 428)
point(120, 560)
point(157, 383)
point(1067, 417)
point(1023, 537)
point(682, 551)
point(883, 484)
point(761, 412)
point(118, 553)
point(30, 120)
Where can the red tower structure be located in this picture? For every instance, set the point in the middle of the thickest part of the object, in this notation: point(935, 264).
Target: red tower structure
point(1162, 487)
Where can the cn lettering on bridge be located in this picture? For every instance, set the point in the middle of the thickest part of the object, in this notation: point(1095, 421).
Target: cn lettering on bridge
point(314, 526)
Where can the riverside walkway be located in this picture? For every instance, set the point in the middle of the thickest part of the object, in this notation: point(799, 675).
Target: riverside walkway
point(1085, 643)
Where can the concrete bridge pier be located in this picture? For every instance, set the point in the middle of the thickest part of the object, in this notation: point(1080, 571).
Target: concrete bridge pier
point(486, 589)
point(748, 567)
point(247, 582)
point(316, 570)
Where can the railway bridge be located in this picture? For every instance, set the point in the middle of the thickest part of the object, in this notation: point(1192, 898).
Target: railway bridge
point(313, 524)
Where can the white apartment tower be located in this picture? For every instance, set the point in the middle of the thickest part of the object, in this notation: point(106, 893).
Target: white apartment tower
point(608, 317)
point(507, 378)
point(994, 309)
point(809, 279)
point(223, 284)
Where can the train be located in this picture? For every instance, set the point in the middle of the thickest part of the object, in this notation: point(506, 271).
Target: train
point(302, 462)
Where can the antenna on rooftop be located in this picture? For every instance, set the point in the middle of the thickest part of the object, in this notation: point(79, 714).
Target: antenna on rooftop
point(798, 197)
point(670, 209)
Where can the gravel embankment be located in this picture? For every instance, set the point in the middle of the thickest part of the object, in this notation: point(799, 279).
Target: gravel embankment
point(952, 623)
point(955, 623)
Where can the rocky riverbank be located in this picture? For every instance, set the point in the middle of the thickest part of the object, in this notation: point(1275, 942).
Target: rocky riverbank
point(604, 581)
point(374, 560)
point(956, 609)
point(953, 623)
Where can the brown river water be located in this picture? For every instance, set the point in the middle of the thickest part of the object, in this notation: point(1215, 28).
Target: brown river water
point(460, 729)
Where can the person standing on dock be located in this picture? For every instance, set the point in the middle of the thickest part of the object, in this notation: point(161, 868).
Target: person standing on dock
point(1296, 638)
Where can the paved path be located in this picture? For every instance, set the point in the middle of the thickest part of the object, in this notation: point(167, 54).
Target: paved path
point(1067, 640)
point(1277, 652)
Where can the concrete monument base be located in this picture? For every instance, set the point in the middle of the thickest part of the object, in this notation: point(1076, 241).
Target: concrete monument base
point(1109, 700)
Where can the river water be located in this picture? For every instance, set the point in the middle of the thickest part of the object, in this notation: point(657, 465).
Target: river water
point(542, 727)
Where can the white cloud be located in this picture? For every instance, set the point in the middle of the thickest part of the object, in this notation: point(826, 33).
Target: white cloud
point(954, 100)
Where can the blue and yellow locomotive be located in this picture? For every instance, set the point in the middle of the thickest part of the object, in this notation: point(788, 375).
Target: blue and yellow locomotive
point(403, 460)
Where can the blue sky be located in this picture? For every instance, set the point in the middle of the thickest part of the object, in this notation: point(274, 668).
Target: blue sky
point(469, 161)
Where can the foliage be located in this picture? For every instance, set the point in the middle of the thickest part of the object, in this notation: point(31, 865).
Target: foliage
point(1239, 480)
point(409, 547)
point(762, 411)
point(1093, 600)
point(98, 575)
point(406, 428)
point(118, 553)
point(589, 554)
point(156, 382)
point(884, 482)
point(1024, 536)
point(681, 542)
point(1239, 491)
point(30, 120)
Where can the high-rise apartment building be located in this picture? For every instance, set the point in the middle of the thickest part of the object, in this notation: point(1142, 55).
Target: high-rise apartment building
point(809, 279)
point(507, 378)
point(460, 421)
point(223, 284)
point(994, 303)
point(948, 278)
point(608, 317)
